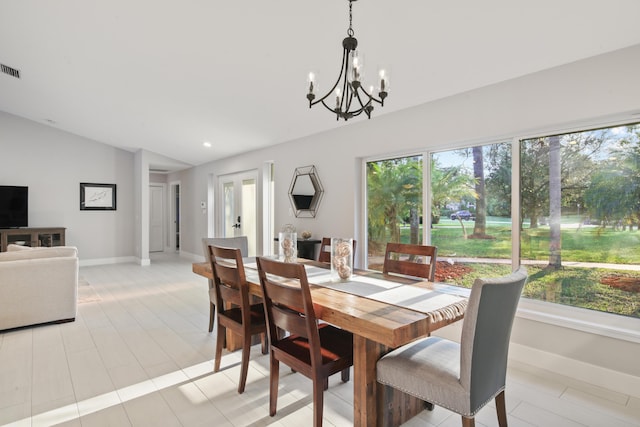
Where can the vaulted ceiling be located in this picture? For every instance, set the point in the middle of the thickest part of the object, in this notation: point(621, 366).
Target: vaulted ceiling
point(167, 75)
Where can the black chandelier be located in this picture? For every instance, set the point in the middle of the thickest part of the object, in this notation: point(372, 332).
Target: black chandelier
point(351, 98)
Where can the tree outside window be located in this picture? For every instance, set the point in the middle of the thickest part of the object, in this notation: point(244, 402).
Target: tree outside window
point(579, 214)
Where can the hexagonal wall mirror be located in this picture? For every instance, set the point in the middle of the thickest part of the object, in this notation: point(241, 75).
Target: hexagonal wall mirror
point(305, 192)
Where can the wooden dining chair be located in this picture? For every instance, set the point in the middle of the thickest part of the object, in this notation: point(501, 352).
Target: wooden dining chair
point(231, 289)
point(316, 350)
point(325, 250)
point(240, 242)
point(411, 260)
point(462, 377)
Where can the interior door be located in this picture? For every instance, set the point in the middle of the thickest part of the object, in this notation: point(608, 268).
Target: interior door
point(156, 218)
point(238, 215)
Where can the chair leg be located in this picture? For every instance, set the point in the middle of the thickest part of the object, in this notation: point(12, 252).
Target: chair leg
point(345, 375)
point(468, 422)
point(501, 409)
point(274, 373)
point(264, 344)
point(318, 400)
point(220, 340)
point(212, 313)
point(244, 368)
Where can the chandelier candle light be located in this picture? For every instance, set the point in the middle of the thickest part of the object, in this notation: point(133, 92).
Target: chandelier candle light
point(351, 98)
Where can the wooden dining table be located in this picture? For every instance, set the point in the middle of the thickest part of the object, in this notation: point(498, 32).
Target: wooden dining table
point(383, 312)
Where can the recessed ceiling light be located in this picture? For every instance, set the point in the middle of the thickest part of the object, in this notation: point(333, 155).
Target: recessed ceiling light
point(207, 144)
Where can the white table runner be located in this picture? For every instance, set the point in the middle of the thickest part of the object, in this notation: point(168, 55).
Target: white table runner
point(404, 295)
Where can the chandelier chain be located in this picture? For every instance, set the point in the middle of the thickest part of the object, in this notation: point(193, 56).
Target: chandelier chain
point(350, 30)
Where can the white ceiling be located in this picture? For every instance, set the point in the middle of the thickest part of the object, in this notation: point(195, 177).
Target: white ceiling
point(167, 75)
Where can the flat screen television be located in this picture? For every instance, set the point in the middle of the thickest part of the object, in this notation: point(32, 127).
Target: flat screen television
point(14, 206)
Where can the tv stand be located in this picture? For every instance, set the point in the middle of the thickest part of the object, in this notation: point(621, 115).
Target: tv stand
point(34, 237)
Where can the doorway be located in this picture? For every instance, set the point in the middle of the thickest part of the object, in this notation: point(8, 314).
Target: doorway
point(174, 216)
point(156, 217)
point(238, 207)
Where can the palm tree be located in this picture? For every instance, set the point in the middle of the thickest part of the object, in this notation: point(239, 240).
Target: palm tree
point(450, 184)
point(394, 192)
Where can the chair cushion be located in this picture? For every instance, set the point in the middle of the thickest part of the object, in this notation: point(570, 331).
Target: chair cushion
point(336, 344)
point(428, 369)
point(256, 312)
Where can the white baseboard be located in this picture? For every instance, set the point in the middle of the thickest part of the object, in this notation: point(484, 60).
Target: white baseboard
point(135, 260)
point(103, 261)
point(592, 374)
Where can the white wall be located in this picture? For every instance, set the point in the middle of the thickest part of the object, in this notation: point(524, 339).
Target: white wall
point(53, 163)
point(590, 92)
point(586, 92)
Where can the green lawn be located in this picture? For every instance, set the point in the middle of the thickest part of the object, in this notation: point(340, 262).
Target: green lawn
point(586, 244)
point(575, 286)
point(581, 287)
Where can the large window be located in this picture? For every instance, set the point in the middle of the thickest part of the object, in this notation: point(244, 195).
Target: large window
point(394, 205)
point(580, 213)
point(471, 212)
point(578, 223)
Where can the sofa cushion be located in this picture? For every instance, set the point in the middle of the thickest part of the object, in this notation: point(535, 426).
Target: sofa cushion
point(14, 254)
point(13, 247)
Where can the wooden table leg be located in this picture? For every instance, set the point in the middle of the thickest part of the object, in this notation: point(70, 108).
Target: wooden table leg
point(234, 341)
point(365, 355)
point(373, 403)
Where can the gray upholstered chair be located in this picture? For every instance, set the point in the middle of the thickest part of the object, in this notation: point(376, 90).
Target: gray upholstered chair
point(240, 242)
point(462, 377)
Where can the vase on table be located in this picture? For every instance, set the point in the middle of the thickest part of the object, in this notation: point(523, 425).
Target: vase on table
point(287, 246)
point(341, 259)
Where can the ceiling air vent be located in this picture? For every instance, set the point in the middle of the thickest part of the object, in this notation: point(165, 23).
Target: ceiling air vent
point(10, 71)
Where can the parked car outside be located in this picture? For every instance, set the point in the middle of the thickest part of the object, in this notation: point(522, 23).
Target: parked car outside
point(465, 215)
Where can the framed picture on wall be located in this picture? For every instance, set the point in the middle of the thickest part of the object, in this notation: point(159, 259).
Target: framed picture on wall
point(97, 197)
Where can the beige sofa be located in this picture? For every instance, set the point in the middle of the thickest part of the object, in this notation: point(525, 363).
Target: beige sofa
point(38, 285)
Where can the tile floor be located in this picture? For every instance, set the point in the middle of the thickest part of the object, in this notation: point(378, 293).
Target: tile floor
point(139, 354)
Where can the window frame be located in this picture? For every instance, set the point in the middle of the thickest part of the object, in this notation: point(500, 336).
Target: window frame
point(595, 322)
point(364, 235)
